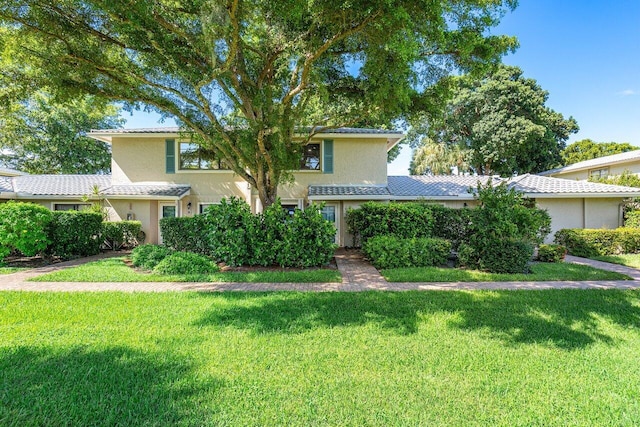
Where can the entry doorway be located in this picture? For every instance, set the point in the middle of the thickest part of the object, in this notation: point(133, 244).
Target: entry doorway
point(165, 210)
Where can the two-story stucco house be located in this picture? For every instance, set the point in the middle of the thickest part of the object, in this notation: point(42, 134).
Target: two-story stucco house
point(157, 173)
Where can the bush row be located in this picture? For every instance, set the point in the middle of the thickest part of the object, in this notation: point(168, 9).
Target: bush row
point(230, 233)
point(498, 235)
point(590, 242)
point(30, 229)
point(394, 252)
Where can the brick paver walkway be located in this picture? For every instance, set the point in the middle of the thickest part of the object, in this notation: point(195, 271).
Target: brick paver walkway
point(357, 275)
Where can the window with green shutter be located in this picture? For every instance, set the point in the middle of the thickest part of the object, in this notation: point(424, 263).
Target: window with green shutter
point(170, 155)
point(327, 160)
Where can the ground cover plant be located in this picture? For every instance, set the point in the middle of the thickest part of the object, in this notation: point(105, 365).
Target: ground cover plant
point(116, 270)
point(539, 272)
point(505, 358)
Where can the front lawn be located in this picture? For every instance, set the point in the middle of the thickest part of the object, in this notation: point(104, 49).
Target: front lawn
point(630, 260)
point(540, 272)
point(115, 270)
point(507, 358)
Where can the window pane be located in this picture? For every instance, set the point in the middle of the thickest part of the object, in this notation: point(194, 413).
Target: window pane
point(329, 213)
point(311, 157)
point(193, 156)
point(168, 212)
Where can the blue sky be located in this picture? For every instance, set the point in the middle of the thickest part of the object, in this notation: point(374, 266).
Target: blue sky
point(585, 53)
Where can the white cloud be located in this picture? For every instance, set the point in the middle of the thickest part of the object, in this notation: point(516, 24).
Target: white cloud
point(629, 92)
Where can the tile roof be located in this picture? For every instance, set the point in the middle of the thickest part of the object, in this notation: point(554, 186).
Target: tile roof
point(6, 186)
point(593, 163)
point(169, 190)
point(348, 190)
point(79, 185)
point(535, 184)
point(435, 186)
point(59, 185)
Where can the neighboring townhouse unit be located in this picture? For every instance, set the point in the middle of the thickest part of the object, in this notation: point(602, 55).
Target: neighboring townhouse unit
point(600, 167)
point(157, 173)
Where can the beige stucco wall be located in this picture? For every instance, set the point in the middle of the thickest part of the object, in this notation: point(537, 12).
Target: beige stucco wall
point(582, 213)
point(356, 161)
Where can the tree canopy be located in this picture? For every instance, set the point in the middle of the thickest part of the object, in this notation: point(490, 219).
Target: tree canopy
point(245, 76)
point(496, 124)
point(40, 135)
point(587, 149)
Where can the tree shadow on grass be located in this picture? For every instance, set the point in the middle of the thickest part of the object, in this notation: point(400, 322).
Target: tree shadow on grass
point(567, 319)
point(115, 386)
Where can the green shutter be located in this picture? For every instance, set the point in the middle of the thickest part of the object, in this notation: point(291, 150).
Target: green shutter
point(327, 160)
point(170, 155)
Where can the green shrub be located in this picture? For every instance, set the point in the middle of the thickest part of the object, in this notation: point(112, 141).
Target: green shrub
point(186, 234)
point(185, 263)
point(229, 230)
point(503, 232)
point(452, 224)
point(632, 219)
point(505, 256)
point(403, 220)
point(120, 234)
point(148, 256)
point(594, 242)
point(508, 256)
point(308, 239)
point(75, 234)
point(23, 228)
point(551, 253)
point(393, 252)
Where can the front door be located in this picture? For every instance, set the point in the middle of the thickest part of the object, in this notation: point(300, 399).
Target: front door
point(329, 213)
point(166, 210)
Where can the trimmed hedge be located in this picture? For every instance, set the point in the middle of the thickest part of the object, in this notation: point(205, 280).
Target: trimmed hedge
point(120, 234)
point(403, 220)
point(498, 256)
point(185, 263)
point(393, 252)
point(452, 224)
point(230, 233)
point(74, 234)
point(594, 242)
point(551, 253)
point(187, 234)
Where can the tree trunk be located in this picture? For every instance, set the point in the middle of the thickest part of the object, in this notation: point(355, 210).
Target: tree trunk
point(267, 189)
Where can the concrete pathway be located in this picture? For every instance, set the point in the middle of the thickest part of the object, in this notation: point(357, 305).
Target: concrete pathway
point(357, 275)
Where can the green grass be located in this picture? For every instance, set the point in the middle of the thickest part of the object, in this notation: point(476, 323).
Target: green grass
point(540, 272)
point(115, 270)
point(630, 260)
point(501, 358)
point(9, 270)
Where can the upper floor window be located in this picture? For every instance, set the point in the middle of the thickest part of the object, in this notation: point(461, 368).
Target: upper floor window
point(196, 157)
point(311, 157)
point(599, 173)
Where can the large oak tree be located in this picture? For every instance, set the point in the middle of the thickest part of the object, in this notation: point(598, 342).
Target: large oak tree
point(244, 75)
